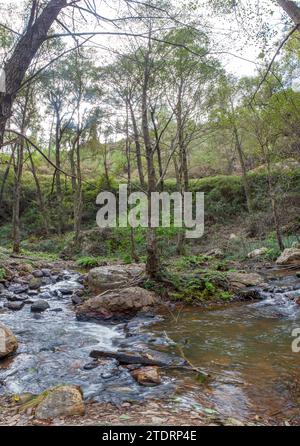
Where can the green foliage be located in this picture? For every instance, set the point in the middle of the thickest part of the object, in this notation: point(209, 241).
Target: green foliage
point(88, 262)
point(2, 274)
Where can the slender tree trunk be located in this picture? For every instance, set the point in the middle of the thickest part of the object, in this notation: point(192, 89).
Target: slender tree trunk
point(273, 200)
point(138, 150)
point(58, 187)
point(42, 206)
point(50, 136)
point(16, 234)
point(246, 185)
point(152, 264)
point(78, 202)
point(183, 165)
point(134, 255)
point(106, 172)
point(158, 151)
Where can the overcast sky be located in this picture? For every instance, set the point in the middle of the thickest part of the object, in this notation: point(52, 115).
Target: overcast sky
point(225, 32)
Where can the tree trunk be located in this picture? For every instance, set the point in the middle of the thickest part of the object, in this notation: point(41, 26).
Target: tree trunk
point(137, 146)
point(58, 187)
point(40, 197)
point(239, 149)
point(291, 9)
point(152, 264)
point(158, 151)
point(183, 166)
point(16, 234)
point(134, 255)
point(78, 200)
point(272, 196)
point(25, 50)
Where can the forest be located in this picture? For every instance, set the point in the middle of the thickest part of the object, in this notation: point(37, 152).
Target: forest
point(134, 324)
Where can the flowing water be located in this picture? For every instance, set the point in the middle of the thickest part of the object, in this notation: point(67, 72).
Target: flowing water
point(54, 349)
point(247, 349)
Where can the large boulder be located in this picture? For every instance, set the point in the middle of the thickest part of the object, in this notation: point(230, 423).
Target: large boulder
point(240, 280)
point(59, 402)
point(290, 256)
point(8, 342)
point(113, 276)
point(126, 301)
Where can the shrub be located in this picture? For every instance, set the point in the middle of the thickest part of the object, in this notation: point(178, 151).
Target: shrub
point(88, 262)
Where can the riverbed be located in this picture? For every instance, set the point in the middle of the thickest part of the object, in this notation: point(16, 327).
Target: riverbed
point(245, 348)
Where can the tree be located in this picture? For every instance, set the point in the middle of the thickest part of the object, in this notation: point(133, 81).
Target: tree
point(26, 48)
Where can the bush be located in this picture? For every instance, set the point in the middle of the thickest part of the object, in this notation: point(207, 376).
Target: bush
point(88, 262)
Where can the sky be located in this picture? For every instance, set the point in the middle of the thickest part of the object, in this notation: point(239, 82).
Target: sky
point(224, 33)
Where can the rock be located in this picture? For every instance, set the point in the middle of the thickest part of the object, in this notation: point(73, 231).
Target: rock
point(249, 294)
point(79, 293)
point(35, 283)
point(17, 297)
point(18, 288)
point(91, 365)
point(77, 300)
point(46, 272)
point(119, 302)
point(147, 376)
point(8, 341)
point(66, 291)
point(257, 253)
point(296, 245)
point(298, 301)
point(60, 401)
point(14, 306)
point(39, 306)
point(37, 273)
point(290, 256)
point(242, 280)
point(7, 295)
point(26, 268)
point(233, 237)
point(44, 296)
point(113, 276)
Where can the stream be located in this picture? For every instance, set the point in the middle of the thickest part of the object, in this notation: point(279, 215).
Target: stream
point(54, 349)
point(246, 348)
